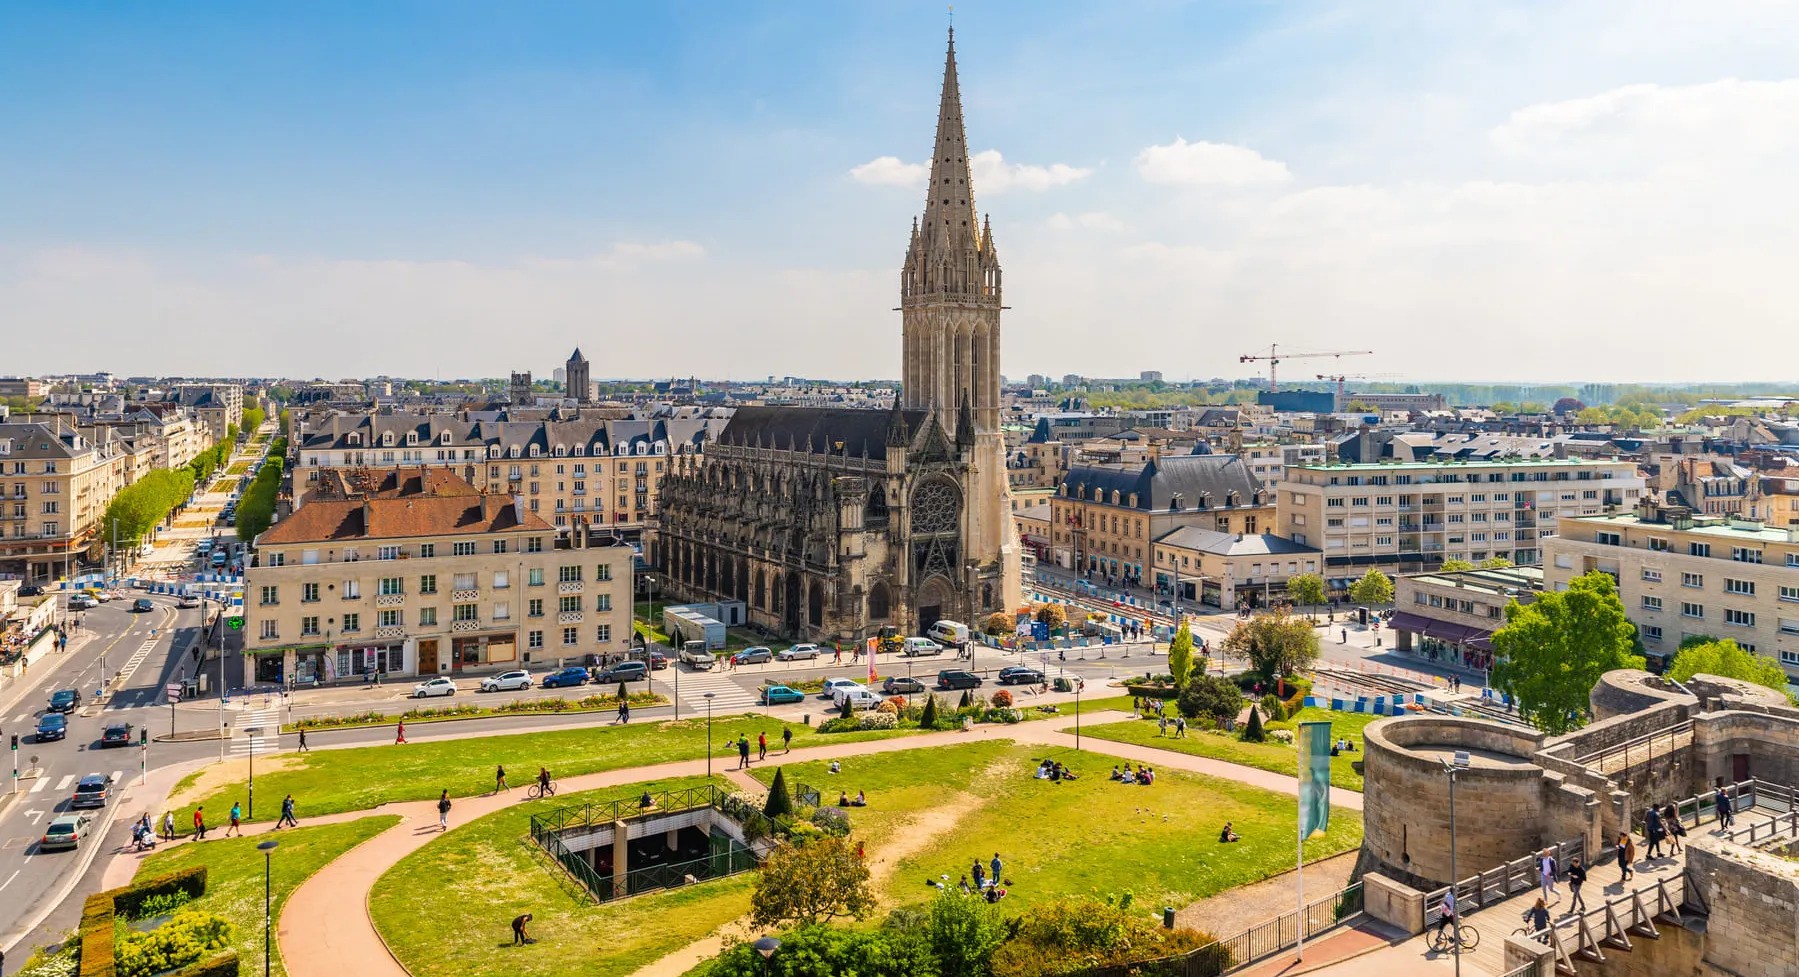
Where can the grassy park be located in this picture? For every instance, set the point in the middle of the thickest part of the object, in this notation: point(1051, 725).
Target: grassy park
point(234, 874)
point(445, 910)
point(1270, 755)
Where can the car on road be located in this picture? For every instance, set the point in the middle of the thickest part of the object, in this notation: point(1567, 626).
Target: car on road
point(798, 652)
point(31, 590)
point(624, 672)
point(859, 698)
point(142, 604)
point(658, 660)
point(833, 684)
point(52, 726)
point(772, 695)
point(220, 558)
point(572, 675)
point(117, 734)
point(921, 646)
point(506, 681)
point(65, 700)
point(440, 685)
point(956, 678)
point(901, 685)
point(695, 655)
point(82, 602)
point(187, 600)
point(93, 790)
point(1020, 675)
point(65, 832)
point(753, 656)
point(100, 595)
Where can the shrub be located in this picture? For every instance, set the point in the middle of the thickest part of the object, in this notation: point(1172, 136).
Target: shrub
point(221, 965)
point(999, 623)
point(97, 934)
point(839, 724)
point(61, 963)
point(895, 704)
point(1252, 730)
point(832, 820)
point(1271, 707)
point(161, 904)
point(1210, 697)
point(928, 718)
point(1003, 714)
point(1282, 736)
point(1002, 698)
point(967, 699)
point(878, 720)
point(188, 882)
point(1099, 934)
point(186, 938)
point(780, 802)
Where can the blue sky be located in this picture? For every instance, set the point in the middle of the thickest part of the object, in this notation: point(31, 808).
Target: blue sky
point(724, 188)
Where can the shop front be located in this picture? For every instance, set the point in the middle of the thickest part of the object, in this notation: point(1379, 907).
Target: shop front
point(1443, 641)
point(473, 652)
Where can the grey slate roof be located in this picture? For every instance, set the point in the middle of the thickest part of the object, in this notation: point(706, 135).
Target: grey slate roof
point(1201, 482)
point(860, 432)
point(1233, 544)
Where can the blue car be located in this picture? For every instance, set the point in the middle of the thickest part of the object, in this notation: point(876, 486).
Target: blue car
point(53, 726)
point(567, 676)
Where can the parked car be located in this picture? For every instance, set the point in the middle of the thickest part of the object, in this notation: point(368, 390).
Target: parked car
point(921, 646)
point(65, 832)
point(658, 660)
point(31, 590)
point(117, 734)
point(52, 726)
point(752, 656)
point(440, 685)
point(506, 681)
point(1020, 675)
point(93, 790)
point(956, 678)
point(82, 602)
point(953, 633)
point(858, 698)
point(901, 685)
point(142, 605)
point(573, 675)
point(798, 652)
point(833, 684)
point(624, 672)
point(65, 700)
point(776, 694)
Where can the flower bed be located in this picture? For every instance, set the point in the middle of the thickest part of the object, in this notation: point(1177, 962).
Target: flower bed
point(429, 714)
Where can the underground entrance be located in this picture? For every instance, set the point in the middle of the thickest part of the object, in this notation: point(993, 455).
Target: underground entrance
point(633, 845)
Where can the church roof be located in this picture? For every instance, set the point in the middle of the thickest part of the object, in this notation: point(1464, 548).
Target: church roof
point(825, 430)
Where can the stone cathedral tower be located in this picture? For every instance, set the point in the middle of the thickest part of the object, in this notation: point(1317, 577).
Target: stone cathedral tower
point(950, 305)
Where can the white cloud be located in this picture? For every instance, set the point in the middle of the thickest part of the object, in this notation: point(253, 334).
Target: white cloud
point(1209, 164)
point(1093, 220)
point(1644, 126)
point(658, 251)
point(989, 170)
point(889, 171)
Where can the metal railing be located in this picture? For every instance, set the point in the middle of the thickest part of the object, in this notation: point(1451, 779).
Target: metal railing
point(1642, 749)
point(1522, 970)
point(1259, 942)
point(728, 857)
point(1498, 884)
point(1612, 922)
point(606, 812)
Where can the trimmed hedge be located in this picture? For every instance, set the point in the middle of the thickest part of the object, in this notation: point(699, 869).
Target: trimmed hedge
point(97, 936)
point(102, 908)
point(222, 965)
point(188, 881)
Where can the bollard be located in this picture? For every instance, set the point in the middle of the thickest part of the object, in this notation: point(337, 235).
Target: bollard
point(1168, 917)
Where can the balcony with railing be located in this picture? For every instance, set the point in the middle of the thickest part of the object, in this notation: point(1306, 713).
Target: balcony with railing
point(390, 600)
point(472, 624)
point(465, 596)
point(568, 587)
point(390, 631)
point(568, 617)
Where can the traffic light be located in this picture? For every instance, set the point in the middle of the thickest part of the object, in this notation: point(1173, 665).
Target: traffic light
point(15, 742)
point(143, 736)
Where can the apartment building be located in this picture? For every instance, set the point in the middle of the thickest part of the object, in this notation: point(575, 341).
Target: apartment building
point(569, 471)
point(1269, 460)
point(1222, 570)
point(55, 484)
point(1451, 617)
point(1411, 516)
point(1104, 519)
point(1683, 574)
point(219, 406)
point(426, 583)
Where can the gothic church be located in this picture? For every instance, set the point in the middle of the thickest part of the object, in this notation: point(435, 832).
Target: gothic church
point(831, 523)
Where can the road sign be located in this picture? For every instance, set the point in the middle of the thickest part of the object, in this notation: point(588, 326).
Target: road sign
point(172, 692)
point(235, 623)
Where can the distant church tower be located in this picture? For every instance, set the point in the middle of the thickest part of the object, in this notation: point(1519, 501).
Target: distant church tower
point(520, 390)
point(950, 305)
point(577, 383)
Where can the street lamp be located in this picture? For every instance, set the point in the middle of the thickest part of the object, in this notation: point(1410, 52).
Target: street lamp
point(766, 947)
point(1455, 930)
point(1078, 682)
point(268, 864)
point(709, 697)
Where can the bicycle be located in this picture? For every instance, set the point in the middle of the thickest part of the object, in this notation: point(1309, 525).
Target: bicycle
point(541, 790)
point(1468, 936)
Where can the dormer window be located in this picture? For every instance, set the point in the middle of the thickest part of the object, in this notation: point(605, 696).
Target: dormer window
point(443, 438)
point(412, 438)
point(1230, 499)
point(355, 440)
point(1115, 496)
point(534, 451)
point(561, 450)
point(512, 452)
point(387, 439)
point(580, 450)
point(493, 451)
point(661, 448)
point(1131, 500)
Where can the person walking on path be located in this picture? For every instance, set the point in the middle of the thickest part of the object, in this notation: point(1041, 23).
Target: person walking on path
point(762, 745)
point(1161, 726)
point(400, 733)
point(743, 752)
point(1626, 855)
point(287, 813)
point(1676, 830)
point(1180, 727)
point(303, 747)
point(443, 811)
point(1546, 874)
point(168, 825)
point(1536, 918)
point(237, 823)
point(786, 739)
point(1577, 876)
point(624, 711)
point(199, 824)
point(1652, 830)
point(1721, 802)
point(499, 780)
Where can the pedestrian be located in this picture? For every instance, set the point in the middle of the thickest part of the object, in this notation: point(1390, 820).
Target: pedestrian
point(237, 823)
point(199, 824)
point(743, 752)
point(519, 936)
point(168, 825)
point(1344, 639)
point(1161, 725)
point(1536, 918)
point(762, 745)
point(1676, 830)
point(995, 865)
point(1625, 856)
point(1577, 875)
point(1546, 874)
point(786, 739)
point(443, 811)
point(287, 813)
point(1180, 727)
point(303, 747)
point(400, 733)
point(624, 711)
point(499, 780)
point(1721, 802)
point(979, 873)
point(1652, 830)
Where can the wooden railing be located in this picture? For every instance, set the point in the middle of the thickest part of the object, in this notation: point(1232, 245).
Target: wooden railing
point(1498, 884)
point(1611, 924)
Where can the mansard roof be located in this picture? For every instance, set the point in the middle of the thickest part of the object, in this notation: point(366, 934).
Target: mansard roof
point(828, 430)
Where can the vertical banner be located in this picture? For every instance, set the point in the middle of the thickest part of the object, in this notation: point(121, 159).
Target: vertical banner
point(873, 643)
point(1314, 778)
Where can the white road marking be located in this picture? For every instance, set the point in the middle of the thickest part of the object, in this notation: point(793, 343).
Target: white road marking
point(10, 878)
point(41, 783)
point(65, 782)
point(33, 816)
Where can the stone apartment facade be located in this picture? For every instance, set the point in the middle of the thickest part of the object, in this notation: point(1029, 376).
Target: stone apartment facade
point(1684, 574)
point(419, 580)
point(55, 484)
point(1411, 516)
point(1228, 569)
point(1104, 519)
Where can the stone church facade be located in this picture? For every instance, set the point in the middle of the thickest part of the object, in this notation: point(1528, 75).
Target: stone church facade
point(831, 523)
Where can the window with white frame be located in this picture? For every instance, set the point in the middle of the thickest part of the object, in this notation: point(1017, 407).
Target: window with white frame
point(1692, 610)
point(1742, 619)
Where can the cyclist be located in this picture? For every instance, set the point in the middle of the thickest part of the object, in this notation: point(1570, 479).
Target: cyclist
point(1447, 920)
point(543, 781)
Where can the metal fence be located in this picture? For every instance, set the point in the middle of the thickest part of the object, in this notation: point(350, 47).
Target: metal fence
point(728, 856)
point(606, 812)
point(1643, 749)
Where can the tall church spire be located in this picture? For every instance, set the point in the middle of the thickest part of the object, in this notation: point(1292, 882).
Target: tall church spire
point(949, 215)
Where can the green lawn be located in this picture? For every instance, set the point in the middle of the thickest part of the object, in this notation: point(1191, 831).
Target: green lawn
point(331, 781)
point(1271, 756)
point(446, 909)
point(234, 874)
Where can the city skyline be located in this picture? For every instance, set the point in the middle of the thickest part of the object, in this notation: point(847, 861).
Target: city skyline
point(1594, 194)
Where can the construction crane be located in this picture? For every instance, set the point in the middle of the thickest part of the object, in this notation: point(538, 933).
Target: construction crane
point(1275, 356)
point(1338, 378)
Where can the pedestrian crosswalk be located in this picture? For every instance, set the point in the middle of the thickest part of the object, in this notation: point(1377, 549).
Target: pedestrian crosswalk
point(267, 739)
point(67, 781)
point(137, 658)
point(728, 696)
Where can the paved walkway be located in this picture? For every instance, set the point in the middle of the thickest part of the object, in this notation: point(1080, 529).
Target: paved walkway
point(329, 943)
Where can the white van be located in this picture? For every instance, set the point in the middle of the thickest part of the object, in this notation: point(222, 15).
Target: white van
point(952, 633)
point(835, 685)
point(921, 646)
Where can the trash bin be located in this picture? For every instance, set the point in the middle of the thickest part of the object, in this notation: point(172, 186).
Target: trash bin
point(1168, 917)
point(806, 719)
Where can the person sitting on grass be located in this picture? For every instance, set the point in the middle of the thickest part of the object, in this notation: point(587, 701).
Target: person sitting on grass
point(1227, 836)
point(1148, 777)
point(843, 799)
point(1066, 774)
point(1042, 771)
point(836, 767)
point(1115, 774)
point(995, 893)
point(1128, 776)
point(860, 801)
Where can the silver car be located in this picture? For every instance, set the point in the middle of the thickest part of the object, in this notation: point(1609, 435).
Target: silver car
point(437, 686)
point(797, 652)
point(507, 682)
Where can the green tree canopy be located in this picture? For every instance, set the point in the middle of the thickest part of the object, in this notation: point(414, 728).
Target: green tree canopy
point(1375, 587)
point(1211, 697)
point(1495, 563)
point(1306, 589)
point(1276, 644)
point(1730, 660)
point(1053, 615)
point(138, 507)
point(253, 418)
point(1456, 566)
point(1550, 654)
point(822, 879)
point(1180, 655)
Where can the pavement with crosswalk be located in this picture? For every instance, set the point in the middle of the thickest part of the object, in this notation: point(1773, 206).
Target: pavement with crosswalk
point(728, 696)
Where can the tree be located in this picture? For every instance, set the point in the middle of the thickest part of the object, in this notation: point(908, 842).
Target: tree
point(1728, 659)
point(1252, 730)
point(253, 418)
point(1549, 654)
point(1495, 563)
point(964, 932)
point(1212, 697)
point(1306, 589)
point(1360, 407)
point(1454, 566)
point(830, 951)
point(1276, 644)
point(1375, 587)
point(999, 623)
point(623, 693)
point(928, 718)
point(967, 699)
point(779, 800)
point(1053, 615)
point(1568, 405)
point(809, 883)
point(1180, 655)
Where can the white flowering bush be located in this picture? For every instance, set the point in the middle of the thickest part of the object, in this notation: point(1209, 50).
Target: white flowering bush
point(1282, 736)
point(879, 720)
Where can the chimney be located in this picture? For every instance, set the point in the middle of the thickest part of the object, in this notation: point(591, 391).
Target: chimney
point(1561, 450)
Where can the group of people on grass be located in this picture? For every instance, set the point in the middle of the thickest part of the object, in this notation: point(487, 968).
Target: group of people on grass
point(989, 880)
point(1142, 775)
point(1053, 770)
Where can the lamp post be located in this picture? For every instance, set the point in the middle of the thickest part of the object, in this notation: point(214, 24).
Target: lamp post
point(766, 947)
point(1077, 713)
point(1460, 764)
point(268, 865)
point(709, 696)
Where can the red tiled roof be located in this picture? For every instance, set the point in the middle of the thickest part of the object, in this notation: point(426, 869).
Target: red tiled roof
point(400, 518)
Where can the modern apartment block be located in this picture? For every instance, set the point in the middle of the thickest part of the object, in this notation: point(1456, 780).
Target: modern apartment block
point(55, 484)
point(1104, 519)
point(1683, 574)
point(438, 581)
point(1269, 460)
point(1411, 516)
